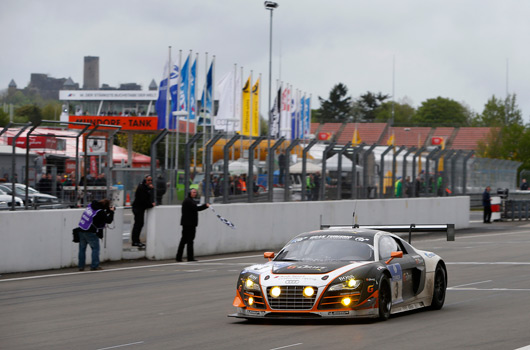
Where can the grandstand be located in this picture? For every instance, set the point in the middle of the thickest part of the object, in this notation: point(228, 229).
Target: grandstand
point(458, 138)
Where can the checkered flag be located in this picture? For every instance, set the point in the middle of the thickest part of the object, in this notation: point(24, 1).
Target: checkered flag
point(223, 220)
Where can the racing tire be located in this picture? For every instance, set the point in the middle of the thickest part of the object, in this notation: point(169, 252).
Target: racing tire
point(384, 298)
point(439, 289)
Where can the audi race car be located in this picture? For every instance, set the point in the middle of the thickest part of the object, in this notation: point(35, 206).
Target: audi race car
point(342, 272)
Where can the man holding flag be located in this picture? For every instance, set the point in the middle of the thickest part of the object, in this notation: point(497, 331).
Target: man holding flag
point(189, 221)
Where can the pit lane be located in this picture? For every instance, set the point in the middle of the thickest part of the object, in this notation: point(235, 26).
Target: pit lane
point(165, 305)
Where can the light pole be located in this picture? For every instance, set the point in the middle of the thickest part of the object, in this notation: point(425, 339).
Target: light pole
point(270, 5)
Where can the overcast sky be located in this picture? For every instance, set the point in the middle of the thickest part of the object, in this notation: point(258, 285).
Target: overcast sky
point(466, 50)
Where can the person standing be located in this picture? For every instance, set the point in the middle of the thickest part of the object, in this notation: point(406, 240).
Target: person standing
point(398, 188)
point(524, 185)
point(189, 221)
point(93, 220)
point(282, 163)
point(486, 203)
point(161, 188)
point(143, 200)
point(315, 191)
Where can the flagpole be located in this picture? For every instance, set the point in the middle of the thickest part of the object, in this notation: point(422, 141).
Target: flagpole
point(241, 116)
point(203, 109)
point(251, 110)
point(188, 109)
point(177, 118)
point(195, 103)
point(213, 96)
point(167, 107)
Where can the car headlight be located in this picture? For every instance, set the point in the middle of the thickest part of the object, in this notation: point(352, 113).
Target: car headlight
point(251, 284)
point(349, 284)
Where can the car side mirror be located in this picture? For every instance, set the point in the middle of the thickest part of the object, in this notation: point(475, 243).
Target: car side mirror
point(268, 255)
point(394, 255)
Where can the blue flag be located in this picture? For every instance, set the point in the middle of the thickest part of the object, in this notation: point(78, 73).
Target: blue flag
point(302, 118)
point(183, 94)
point(192, 90)
point(173, 90)
point(161, 104)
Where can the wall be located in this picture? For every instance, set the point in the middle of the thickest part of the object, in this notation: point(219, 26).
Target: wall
point(38, 240)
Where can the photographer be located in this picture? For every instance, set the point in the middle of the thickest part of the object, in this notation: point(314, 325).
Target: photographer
point(94, 219)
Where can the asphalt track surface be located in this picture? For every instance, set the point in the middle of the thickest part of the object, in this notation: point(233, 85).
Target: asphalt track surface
point(166, 305)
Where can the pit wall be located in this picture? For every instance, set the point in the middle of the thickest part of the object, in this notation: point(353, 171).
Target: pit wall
point(41, 240)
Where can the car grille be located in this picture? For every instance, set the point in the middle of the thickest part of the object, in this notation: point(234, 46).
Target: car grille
point(291, 298)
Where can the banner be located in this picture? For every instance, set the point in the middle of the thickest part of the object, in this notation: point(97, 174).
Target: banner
point(276, 115)
point(207, 101)
point(302, 120)
point(285, 114)
point(161, 102)
point(245, 130)
point(184, 85)
point(192, 104)
point(228, 116)
point(255, 109)
point(307, 117)
point(173, 91)
point(294, 121)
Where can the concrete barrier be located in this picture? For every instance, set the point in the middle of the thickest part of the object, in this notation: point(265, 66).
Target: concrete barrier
point(38, 240)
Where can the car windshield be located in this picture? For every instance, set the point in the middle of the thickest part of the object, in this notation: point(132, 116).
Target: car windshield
point(326, 250)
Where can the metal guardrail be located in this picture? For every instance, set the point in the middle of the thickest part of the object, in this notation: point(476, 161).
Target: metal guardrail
point(516, 210)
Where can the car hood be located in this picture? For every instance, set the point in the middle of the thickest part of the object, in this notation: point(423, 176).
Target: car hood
point(307, 267)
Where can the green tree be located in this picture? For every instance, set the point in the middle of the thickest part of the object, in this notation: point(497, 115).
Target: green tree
point(52, 110)
point(498, 113)
point(30, 113)
point(403, 113)
point(441, 111)
point(338, 107)
point(4, 117)
point(365, 107)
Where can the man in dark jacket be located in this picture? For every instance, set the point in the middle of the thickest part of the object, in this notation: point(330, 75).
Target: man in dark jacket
point(94, 219)
point(486, 202)
point(143, 199)
point(189, 221)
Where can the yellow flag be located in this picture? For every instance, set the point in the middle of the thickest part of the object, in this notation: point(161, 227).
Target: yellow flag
point(356, 140)
point(255, 109)
point(245, 129)
point(391, 140)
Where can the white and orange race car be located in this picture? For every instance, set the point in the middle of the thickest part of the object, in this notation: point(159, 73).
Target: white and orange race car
point(342, 272)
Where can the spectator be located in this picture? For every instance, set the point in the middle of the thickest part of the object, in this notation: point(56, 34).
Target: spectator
point(160, 188)
point(282, 163)
point(417, 186)
point(398, 188)
point(189, 221)
point(94, 219)
point(315, 191)
point(143, 200)
point(408, 187)
point(310, 184)
point(486, 203)
point(524, 185)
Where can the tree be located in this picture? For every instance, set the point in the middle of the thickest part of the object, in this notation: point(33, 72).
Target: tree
point(30, 113)
point(441, 111)
point(403, 113)
point(364, 108)
point(338, 107)
point(52, 111)
point(498, 113)
point(4, 118)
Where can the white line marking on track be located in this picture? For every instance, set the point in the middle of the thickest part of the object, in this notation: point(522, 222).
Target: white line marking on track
point(524, 348)
point(121, 346)
point(131, 268)
point(469, 284)
point(493, 289)
point(489, 263)
point(287, 346)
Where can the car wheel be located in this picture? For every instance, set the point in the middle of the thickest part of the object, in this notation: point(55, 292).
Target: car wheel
point(385, 298)
point(440, 286)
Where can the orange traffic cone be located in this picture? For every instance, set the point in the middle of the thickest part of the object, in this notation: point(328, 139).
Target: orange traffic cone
point(128, 200)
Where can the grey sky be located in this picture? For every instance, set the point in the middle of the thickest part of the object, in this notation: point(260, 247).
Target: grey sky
point(453, 49)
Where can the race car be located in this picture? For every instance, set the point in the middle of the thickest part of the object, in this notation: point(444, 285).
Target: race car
point(342, 272)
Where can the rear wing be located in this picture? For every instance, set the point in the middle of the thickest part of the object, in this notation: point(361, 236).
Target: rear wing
point(449, 229)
